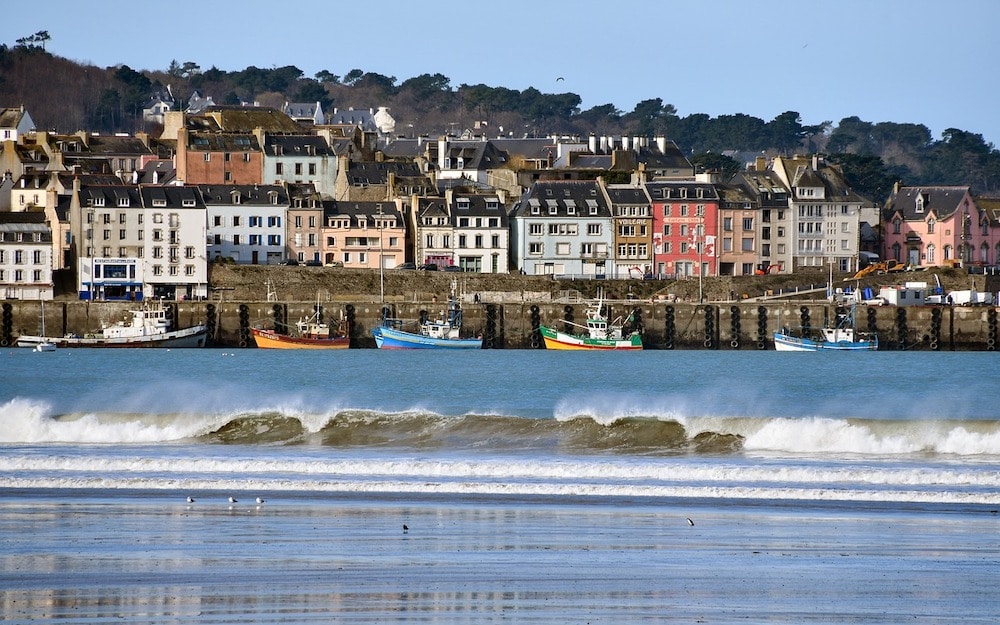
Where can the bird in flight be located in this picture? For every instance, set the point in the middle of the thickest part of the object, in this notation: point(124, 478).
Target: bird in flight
point(560, 78)
point(690, 522)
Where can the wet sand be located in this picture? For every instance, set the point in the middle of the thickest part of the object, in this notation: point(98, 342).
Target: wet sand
point(111, 556)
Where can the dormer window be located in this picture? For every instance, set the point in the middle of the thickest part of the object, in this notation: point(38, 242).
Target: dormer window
point(187, 202)
point(460, 163)
point(684, 192)
point(98, 201)
point(920, 203)
point(123, 201)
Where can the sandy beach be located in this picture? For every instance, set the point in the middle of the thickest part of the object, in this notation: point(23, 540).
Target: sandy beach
point(100, 557)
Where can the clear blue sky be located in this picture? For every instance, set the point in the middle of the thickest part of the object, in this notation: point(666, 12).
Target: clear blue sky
point(931, 62)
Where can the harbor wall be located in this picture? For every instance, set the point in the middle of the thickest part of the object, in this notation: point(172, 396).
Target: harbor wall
point(507, 325)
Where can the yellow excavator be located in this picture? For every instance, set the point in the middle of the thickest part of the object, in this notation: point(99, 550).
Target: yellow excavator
point(883, 266)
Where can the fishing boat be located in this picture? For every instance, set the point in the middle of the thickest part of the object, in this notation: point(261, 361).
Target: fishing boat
point(841, 335)
point(148, 326)
point(441, 333)
point(310, 333)
point(599, 333)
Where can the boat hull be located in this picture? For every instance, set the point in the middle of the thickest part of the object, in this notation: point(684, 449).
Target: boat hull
point(565, 341)
point(194, 336)
point(786, 343)
point(269, 339)
point(390, 338)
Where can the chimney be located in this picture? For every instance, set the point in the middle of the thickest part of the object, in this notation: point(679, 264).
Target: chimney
point(592, 144)
point(442, 150)
point(661, 144)
point(760, 163)
point(815, 162)
point(625, 142)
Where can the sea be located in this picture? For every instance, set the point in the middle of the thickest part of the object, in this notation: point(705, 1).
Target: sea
point(498, 486)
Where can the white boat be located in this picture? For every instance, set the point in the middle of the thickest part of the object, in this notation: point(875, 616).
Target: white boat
point(45, 345)
point(839, 336)
point(148, 326)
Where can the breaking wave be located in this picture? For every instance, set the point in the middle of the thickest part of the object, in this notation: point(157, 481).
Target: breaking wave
point(616, 431)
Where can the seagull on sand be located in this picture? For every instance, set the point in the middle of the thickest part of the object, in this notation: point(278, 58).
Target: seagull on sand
point(190, 499)
point(232, 499)
point(260, 500)
point(405, 528)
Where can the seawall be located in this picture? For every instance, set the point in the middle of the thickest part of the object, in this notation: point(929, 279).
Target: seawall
point(513, 325)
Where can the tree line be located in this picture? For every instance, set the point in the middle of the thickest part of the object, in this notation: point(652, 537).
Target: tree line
point(67, 96)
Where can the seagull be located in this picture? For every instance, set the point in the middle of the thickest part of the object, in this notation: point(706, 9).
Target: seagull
point(260, 500)
point(232, 499)
point(405, 528)
point(190, 499)
point(690, 522)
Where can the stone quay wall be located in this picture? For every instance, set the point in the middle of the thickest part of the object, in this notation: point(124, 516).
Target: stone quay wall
point(513, 325)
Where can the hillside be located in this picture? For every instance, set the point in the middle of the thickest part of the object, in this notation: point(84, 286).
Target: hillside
point(65, 96)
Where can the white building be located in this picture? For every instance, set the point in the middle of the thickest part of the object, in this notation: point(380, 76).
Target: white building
point(246, 223)
point(25, 256)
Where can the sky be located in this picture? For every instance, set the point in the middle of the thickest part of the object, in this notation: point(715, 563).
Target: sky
point(930, 62)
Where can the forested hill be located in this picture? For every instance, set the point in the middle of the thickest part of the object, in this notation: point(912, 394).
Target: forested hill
point(66, 96)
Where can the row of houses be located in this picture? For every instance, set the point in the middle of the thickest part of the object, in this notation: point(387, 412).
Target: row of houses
point(136, 216)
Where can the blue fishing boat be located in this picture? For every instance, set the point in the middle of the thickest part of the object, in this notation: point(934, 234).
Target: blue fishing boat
point(839, 336)
point(440, 333)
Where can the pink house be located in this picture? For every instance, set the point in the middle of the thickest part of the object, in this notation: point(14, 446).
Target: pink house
point(938, 226)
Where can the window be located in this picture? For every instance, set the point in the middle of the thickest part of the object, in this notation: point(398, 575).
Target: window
point(246, 157)
point(274, 239)
point(255, 239)
point(236, 239)
point(727, 224)
point(279, 168)
point(429, 240)
point(298, 169)
point(748, 223)
point(930, 226)
point(562, 249)
point(228, 176)
point(36, 257)
point(274, 222)
point(312, 169)
point(208, 156)
point(747, 244)
point(896, 225)
point(461, 240)
point(535, 249)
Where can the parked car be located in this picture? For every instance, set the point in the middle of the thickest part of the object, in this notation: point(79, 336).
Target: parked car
point(407, 266)
point(291, 262)
point(452, 268)
point(313, 263)
point(429, 267)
